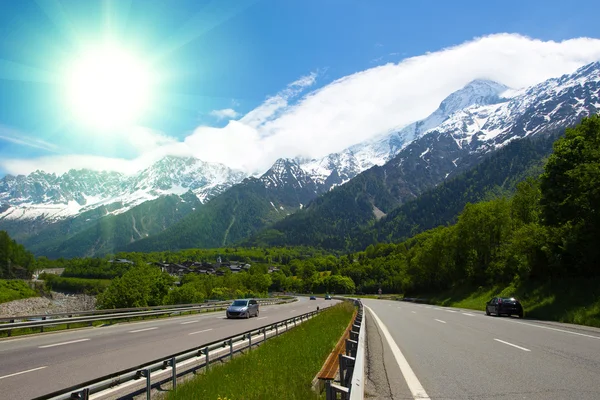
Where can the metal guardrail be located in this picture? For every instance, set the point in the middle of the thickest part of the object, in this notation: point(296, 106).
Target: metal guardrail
point(112, 311)
point(9, 327)
point(205, 354)
point(351, 364)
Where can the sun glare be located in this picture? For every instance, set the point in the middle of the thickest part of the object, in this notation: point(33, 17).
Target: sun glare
point(108, 88)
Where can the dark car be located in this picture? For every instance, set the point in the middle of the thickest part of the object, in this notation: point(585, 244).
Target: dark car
point(504, 305)
point(313, 297)
point(242, 308)
point(327, 297)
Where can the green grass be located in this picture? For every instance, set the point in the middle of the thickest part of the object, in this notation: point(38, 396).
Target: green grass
point(282, 368)
point(571, 300)
point(15, 290)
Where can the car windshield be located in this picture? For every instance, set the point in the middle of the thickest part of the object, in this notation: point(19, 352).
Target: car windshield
point(509, 300)
point(240, 303)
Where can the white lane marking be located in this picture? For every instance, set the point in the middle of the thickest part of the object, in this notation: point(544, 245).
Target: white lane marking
point(400, 308)
point(513, 345)
point(556, 329)
point(23, 372)
point(417, 390)
point(427, 306)
point(188, 322)
point(437, 308)
point(469, 314)
point(205, 330)
point(450, 310)
point(143, 330)
point(414, 312)
point(63, 343)
point(439, 320)
point(292, 311)
point(261, 318)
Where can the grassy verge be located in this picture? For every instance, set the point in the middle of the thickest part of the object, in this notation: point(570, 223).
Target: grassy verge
point(15, 290)
point(282, 368)
point(574, 301)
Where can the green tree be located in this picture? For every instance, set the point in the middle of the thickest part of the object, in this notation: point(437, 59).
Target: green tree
point(570, 189)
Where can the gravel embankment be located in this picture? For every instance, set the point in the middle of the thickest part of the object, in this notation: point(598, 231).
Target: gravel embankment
point(59, 302)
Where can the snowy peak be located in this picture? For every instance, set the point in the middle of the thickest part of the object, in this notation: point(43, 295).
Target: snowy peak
point(49, 196)
point(338, 168)
point(286, 173)
point(477, 92)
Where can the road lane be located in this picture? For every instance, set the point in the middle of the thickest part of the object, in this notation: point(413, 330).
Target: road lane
point(469, 356)
point(112, 348)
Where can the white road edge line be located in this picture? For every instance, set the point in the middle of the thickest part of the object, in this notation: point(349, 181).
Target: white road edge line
point(469, 314)
point(206, 330)
point(189, 322)
point(143, 330)
point(450, 310)
point(513, 345)
point(416, 389)
point(439, 320)
point(556, 329)
point(23, 372)
point(62, 344)
point(261, 318)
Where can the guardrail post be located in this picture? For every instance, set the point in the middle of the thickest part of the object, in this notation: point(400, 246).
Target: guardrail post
point(231, 349)
point(264, 334)
point(250, 341)
point(207, 362)
point(146, 373)
point(174, 370)
point(276, 329)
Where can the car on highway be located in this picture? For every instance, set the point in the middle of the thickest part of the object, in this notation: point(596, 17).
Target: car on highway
point(243, 308)
point(313, 297)
point(504, 305)
point(327, 297)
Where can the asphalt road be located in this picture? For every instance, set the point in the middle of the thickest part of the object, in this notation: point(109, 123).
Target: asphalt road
point(35, 365)
point(448, 353)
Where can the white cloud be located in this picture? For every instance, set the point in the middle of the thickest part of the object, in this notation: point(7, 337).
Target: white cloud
point(224, 113)
point(371, 102)
point(145, 139)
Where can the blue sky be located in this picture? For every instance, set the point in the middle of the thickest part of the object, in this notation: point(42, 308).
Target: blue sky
point(216, 55)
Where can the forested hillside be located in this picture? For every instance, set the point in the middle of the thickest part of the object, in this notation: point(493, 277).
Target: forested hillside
point(15, 260)
point(344, 219)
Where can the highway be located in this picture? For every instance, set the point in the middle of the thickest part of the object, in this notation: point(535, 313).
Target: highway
point(35, 365)
point(448, 353)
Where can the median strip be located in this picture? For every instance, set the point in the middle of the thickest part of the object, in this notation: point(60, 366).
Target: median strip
point(23, 372)
point(63, 343)
point(513, 345)
point(281, 368)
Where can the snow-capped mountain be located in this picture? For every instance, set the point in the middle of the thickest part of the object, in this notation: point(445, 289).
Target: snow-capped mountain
point(53, 197)
point(338, 168)
point(544, 108)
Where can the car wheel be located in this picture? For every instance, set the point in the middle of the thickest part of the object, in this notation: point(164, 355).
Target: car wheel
point(257, 313)
point(521, 314)
point(247, 314)
point(487, 312)
point(497, 311)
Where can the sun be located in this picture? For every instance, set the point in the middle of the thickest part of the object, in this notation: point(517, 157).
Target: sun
point(107, 87)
